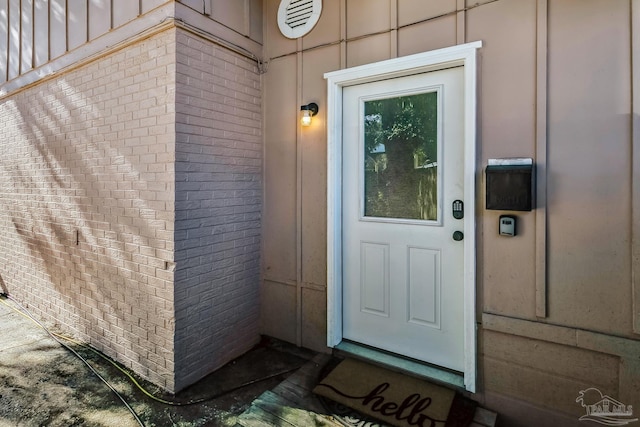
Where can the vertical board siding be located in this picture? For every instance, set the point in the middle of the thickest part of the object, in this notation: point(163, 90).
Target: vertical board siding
point(4, 39)
point(198, 5)
point(41, 33)
point(148, 5)
point(14, 38)
point(280, 173)
point(314, 166)
point(124, 11)
point(255, 21)
point(507, 129)
point(77, 24)
point(26, 36)
point(295, 164)
point(554, 85)
point(36, 32)
point(362, 23)
point(57, 28)
point(589, 191)
point(99, 18)
point(230, 12)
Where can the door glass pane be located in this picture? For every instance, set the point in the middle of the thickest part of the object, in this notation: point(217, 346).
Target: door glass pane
point(400, 157)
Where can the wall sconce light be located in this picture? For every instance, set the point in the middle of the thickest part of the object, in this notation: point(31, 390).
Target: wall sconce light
point(308, 111)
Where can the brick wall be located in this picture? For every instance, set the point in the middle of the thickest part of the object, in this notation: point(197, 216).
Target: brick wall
point(87, 203)
point(218, 206)
point(130, 202)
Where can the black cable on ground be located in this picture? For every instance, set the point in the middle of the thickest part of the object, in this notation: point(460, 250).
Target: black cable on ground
point(58, 337)
point(91, 368)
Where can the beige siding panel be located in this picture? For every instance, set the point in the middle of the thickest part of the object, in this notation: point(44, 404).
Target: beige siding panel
point(507, 114)
point(197, 4)
point(148, 5)
point(279, 220)
point(519, 413)
point(327, 30)
point(411, 11)
point(278, 310)
point(277, 43)
point(124, 11)
point(539, 388)
point(427, 36)
point(367, 50)
point(600, 369)
point(590, 165)
point(255, 20)
point(630, 381)
point(99, 18)
point(229, 12)
point(77, 23)
point(314, 319)
point(361, 21)
point(508, 76)
point(14, 38)
point(529, 329)
point(314, 166)
point(475, 3)
point(57, 28)
point(4, 39)
point(41, 23)
point(27, 36)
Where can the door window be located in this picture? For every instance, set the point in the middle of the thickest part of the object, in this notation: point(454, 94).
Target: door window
point(400, 157)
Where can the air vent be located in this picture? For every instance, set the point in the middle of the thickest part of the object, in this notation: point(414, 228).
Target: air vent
point(297, 17)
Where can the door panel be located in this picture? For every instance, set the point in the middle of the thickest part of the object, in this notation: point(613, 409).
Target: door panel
point(402, 170)
point(424, 287)
point(374, 290)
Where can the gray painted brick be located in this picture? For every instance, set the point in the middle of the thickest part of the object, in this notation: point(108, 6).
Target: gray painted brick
point(218, 183)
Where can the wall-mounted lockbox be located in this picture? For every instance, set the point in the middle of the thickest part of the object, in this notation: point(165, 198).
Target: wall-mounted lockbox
point(507, 225)
point(510, 184)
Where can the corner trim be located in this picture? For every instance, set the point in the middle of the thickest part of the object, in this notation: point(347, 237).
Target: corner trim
point(635, 165)
point(541, 159)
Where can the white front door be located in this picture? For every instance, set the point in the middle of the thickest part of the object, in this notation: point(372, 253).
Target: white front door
point(402, 248)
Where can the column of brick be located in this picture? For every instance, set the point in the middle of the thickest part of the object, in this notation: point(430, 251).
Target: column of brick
point(218, 206)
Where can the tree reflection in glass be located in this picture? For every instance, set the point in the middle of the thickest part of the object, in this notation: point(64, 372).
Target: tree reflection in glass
point(401, 152)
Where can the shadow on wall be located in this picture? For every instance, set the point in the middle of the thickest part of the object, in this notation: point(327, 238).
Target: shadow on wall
point(86, 217)
point(3, 287)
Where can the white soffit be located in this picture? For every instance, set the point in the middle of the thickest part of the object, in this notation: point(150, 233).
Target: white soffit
point(297, 17)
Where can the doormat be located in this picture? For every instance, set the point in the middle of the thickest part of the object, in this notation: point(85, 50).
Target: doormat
point(393, 398)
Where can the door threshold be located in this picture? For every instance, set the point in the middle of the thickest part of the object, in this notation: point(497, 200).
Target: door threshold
point(395, 362)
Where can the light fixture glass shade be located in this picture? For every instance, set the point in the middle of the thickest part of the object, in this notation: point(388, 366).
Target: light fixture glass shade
point(308, 111)
point(305, 118)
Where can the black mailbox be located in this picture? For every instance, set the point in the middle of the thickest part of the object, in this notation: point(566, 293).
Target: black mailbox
point(510, 184)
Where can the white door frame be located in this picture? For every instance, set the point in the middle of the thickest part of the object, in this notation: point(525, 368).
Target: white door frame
point(460, 55)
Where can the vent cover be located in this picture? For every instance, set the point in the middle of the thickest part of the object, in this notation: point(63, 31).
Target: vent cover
point(297, 17)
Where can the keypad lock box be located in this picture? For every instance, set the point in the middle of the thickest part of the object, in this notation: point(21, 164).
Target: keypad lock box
point(507, 225)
